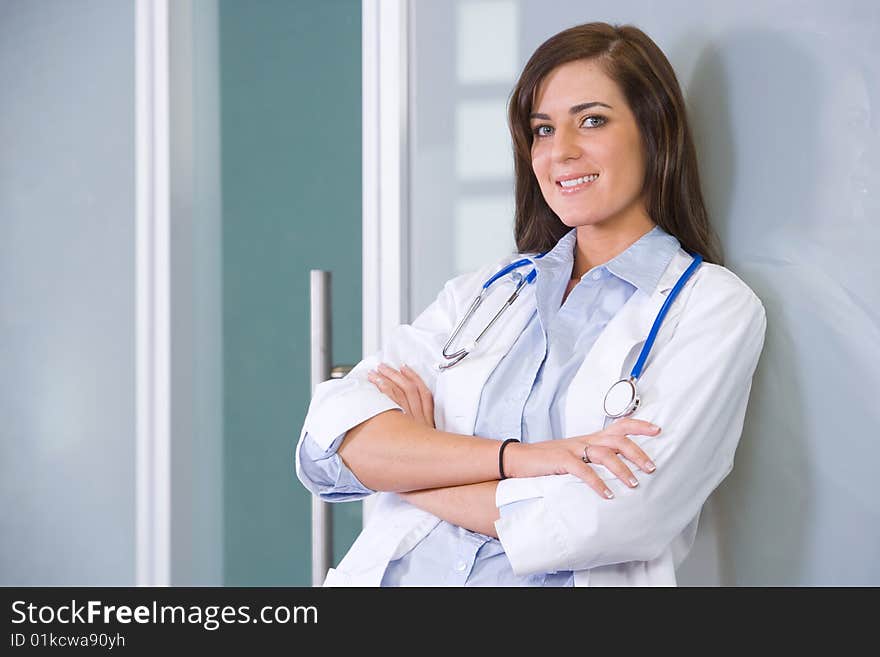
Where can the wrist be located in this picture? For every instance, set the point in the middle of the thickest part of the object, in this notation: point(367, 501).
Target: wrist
point(513, 459)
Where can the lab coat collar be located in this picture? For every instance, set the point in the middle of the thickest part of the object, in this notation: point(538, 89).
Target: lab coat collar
point(458, 388)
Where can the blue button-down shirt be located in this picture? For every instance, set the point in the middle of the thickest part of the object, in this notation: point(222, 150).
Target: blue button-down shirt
point(523, 398)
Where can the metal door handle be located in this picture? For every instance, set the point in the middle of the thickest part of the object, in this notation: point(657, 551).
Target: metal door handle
point(340, 371)
point(321, 341)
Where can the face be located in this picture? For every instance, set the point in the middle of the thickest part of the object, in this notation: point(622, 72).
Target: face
point(587, 152)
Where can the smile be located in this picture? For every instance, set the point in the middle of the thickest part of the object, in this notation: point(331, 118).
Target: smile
point(573, 185)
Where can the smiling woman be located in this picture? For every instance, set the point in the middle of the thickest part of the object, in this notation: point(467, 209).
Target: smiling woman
point(509, 469)
point(603, 100)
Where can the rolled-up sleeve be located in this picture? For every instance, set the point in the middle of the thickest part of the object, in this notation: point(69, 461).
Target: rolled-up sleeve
point(326, 475)
point(700, 383)
point(339, 405)
point(318, 466)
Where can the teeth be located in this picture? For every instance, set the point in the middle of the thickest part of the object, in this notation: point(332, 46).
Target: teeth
point(578, 181)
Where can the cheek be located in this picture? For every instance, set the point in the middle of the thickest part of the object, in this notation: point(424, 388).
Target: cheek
point(637, 158)
point(627, 166)
point(636, 173)
point(539, 165)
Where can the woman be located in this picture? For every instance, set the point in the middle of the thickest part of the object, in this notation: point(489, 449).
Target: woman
point(607, 189)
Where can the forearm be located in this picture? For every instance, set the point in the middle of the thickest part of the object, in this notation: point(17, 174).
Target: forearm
point(392, 452)
point(471, 506)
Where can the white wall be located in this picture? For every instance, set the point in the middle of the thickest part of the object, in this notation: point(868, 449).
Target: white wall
point(781, 97)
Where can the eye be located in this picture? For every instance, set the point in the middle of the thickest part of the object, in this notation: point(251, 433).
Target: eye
point(538, 130)
point(599, 121)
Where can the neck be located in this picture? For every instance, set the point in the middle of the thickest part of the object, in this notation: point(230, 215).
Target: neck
point(599, 243)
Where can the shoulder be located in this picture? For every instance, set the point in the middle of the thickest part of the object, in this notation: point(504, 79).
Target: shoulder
point(720, 291)
point(720, 281)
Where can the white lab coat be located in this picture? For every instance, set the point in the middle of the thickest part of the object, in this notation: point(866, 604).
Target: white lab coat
point(695, 386)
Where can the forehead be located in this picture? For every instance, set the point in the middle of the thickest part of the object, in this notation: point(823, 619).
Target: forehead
point(575, 82)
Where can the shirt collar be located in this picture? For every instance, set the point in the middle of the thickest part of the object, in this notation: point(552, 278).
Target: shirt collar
point(644, 262)
point(641, 264)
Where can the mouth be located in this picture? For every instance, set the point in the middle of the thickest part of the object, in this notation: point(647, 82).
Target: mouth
point(572, 184)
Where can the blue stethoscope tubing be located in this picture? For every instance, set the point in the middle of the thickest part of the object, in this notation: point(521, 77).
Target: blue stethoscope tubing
point(622, 398)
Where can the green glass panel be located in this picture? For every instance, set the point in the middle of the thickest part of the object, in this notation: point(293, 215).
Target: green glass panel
point(291, 175)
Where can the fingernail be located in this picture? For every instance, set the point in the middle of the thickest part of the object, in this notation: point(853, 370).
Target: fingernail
point(649, 466)
point(404, 368)
point(633, 482)
point(608, 494)
point(655, 427)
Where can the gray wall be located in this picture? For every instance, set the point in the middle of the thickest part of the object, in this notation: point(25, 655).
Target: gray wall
point(67, 422)
point(780, 96)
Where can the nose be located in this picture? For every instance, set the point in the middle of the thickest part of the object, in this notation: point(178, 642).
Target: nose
point(565, 145)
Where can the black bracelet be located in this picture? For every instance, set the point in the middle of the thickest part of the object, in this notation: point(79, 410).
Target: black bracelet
point(501, 456)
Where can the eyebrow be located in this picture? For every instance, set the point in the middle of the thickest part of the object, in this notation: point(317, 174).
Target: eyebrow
point(574, 109)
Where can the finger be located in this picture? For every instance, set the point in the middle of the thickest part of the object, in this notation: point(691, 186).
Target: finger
point(425, 414)
point(610, 460)
point(384, 385)
point(387, 387)
point(633, 426)
point(584, 472)
point(407, 387)
point(626, 446)
point(425, 395)
point(408, 390)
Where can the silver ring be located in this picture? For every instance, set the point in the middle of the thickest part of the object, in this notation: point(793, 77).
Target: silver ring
point(586, 459)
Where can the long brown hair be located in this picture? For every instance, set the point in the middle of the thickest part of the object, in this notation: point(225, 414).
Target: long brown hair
point(672, 180)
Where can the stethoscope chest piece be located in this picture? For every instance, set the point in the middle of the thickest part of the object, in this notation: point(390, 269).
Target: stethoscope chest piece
point(622, 399)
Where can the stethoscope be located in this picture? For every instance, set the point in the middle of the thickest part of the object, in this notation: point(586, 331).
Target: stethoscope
point(622, 398)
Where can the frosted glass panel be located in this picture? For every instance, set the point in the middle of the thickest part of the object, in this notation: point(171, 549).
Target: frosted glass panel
point(67, 414)
point(780, 97)
point(483, 229)
point(487, 55)
point(482, 140)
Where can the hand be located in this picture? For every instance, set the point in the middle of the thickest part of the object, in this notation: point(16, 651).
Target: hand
point(565, 456)
point(406, 389)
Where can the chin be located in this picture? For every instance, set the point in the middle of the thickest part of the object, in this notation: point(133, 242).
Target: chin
point(580, 220)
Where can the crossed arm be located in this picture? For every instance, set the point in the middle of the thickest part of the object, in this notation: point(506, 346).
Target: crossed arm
point(473, 505)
